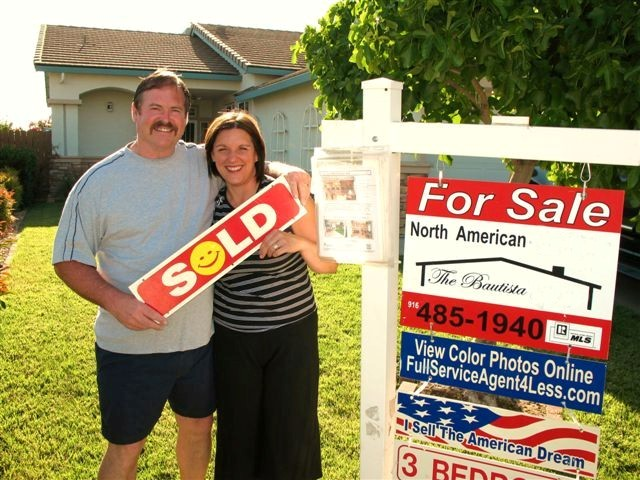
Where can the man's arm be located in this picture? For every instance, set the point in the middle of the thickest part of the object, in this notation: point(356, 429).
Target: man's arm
point(88, 283)
point(298, 179)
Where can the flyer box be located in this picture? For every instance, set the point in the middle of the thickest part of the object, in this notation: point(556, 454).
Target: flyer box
point(352, 201)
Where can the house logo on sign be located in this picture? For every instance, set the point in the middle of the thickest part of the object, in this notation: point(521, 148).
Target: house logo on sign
point(481, 281)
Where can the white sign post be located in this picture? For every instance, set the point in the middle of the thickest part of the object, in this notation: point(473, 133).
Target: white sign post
point(381, 127)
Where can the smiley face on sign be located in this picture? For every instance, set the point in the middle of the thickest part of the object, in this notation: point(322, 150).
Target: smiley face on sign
point(207, 258)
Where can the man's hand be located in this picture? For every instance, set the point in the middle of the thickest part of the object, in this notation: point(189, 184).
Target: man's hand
point(299, 180)
point(135, 315)
point(300, 184)
point(89, 284)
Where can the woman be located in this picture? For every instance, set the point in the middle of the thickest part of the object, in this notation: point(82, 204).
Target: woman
point(266, 327)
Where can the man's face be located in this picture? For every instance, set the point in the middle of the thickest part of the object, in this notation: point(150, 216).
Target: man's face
point(160, 122)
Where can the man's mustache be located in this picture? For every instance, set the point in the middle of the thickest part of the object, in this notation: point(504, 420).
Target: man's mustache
point(164, 124)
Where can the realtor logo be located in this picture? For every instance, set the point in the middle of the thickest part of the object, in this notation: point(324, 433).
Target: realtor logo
point(562, 330)
point(565, 333)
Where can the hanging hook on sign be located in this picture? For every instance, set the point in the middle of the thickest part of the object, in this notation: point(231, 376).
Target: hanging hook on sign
point(572, 415)
point(585, 178)
point(422, 386)
point(440, 171)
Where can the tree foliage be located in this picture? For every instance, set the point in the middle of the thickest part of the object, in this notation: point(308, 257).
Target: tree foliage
point(40, 125)
point(563, 63)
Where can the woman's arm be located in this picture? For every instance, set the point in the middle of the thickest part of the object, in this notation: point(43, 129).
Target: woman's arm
point(304, 240)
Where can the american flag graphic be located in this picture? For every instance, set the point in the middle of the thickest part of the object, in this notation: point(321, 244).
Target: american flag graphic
point(544, 442)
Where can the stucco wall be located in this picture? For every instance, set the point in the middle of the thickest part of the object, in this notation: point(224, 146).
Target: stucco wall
point(103, 129)
point(473, 168)
point(79, 112)
point(292, 103)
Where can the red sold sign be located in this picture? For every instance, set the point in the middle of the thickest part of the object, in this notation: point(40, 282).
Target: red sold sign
point(217, 250)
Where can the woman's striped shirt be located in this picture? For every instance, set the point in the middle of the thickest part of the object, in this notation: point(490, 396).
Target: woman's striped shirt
point(261, 294)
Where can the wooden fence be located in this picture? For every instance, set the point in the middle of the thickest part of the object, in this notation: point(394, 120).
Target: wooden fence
point(39, 142)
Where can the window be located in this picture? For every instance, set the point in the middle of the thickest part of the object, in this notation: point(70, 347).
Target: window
point(279, 138)
point(189, 134)
point(310, 135)
point(230, 107)
point(203, 130)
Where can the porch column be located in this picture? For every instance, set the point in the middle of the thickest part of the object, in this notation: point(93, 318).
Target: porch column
point(64, 122)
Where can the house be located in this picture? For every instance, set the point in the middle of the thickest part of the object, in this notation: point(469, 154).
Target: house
point(91, 75)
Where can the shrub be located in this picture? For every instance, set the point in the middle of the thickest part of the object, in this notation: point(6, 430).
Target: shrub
point(65, 185)
point(6, 210)
point(10, 179)
point(6, 221)
point(25, 162)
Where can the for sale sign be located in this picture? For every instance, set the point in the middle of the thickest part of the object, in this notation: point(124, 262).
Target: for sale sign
point(217, 250)
point(507, 434)
point(421, 462)
point(524, 264)
point(539, 377)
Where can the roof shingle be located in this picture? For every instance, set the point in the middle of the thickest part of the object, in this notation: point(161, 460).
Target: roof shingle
point(108, 48)
point(255, 46)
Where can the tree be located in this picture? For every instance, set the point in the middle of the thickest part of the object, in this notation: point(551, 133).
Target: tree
point(565, 63)
point(40, 125)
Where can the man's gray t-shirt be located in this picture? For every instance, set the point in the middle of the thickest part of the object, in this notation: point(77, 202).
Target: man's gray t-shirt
point(126, 215)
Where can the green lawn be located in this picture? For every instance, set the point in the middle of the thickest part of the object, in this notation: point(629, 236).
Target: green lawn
point(49, 419)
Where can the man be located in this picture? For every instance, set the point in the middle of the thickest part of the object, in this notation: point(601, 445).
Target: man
point(124, 216)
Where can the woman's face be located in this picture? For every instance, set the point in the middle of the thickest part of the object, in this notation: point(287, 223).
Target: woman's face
point(235, 157)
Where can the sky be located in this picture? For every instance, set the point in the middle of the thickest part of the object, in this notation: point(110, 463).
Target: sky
point(22, 89)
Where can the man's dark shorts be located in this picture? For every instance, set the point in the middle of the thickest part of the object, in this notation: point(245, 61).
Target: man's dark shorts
point(133, 390)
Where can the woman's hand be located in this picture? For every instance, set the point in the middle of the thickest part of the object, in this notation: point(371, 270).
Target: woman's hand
point(277, 243)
